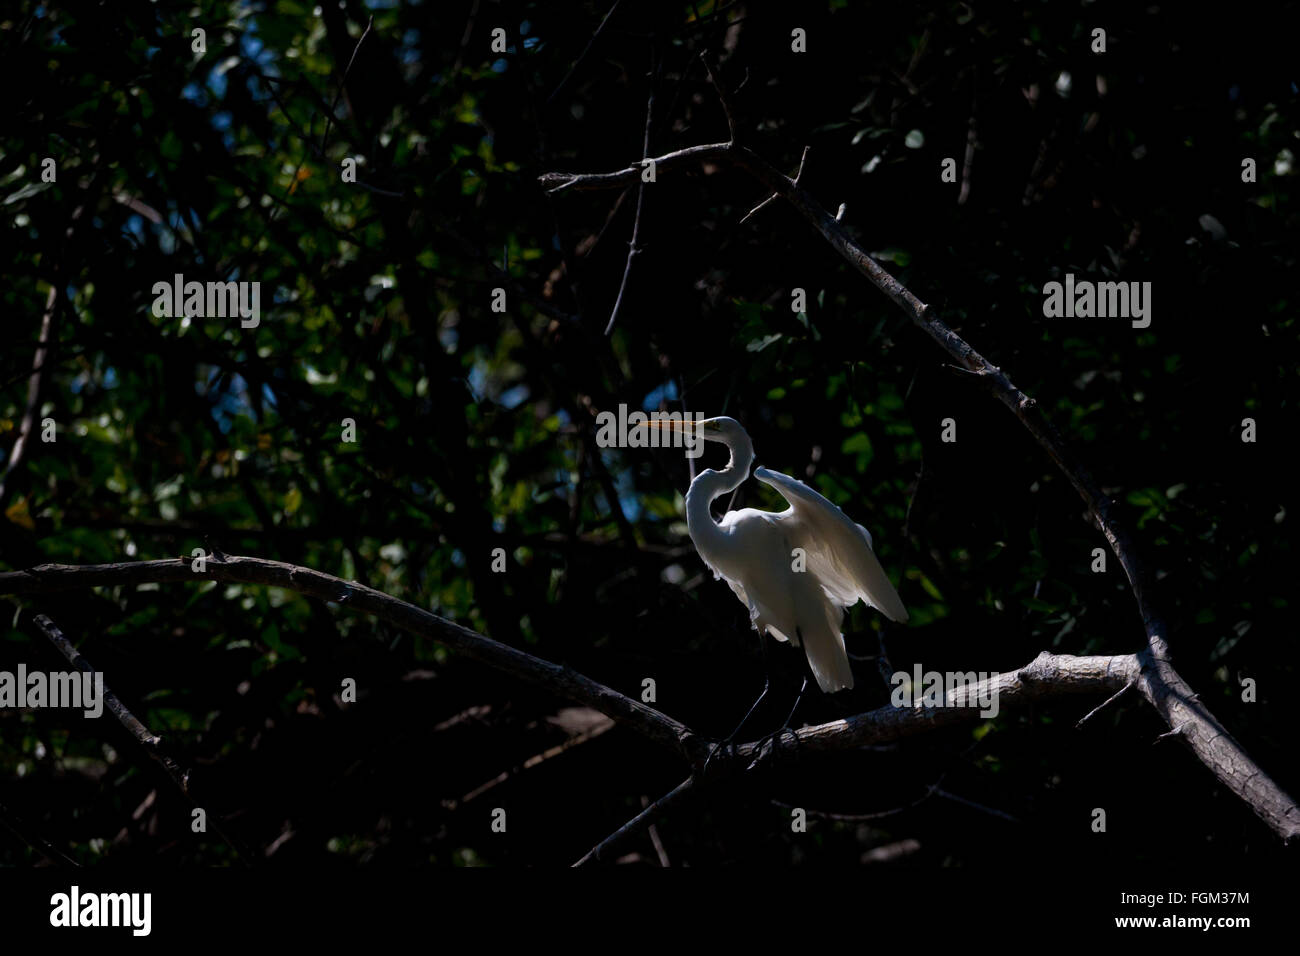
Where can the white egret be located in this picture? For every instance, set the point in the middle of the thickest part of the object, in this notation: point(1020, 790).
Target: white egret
point(796, 570)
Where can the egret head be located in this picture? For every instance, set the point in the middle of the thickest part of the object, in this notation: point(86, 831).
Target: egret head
point(726, 430)
point(722, 429)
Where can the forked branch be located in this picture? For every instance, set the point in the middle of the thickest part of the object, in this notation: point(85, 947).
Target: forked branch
point(1155, 676)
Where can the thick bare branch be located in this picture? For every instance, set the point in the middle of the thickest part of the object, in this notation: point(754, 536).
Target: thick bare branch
point(1047, 676)
point(49, 578)
point(1158, 681)
point(1189, 719)
point(1054, 675)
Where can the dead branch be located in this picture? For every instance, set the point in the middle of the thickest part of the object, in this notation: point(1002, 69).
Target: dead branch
point(1047, 676)
point(1156, 678)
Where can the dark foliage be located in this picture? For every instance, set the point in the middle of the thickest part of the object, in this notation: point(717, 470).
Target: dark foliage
point(474, 427)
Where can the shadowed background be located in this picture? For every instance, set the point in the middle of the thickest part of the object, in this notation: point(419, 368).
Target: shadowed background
point(474, 427)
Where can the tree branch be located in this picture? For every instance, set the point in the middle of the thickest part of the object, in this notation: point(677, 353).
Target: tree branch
point(1159, 683)
point(1047, 676)
point(586, 51)
point(1020, 404)
point(151, 743)
point(47, 343)
point(563, 681)
point(642, 820)
point(634, 246)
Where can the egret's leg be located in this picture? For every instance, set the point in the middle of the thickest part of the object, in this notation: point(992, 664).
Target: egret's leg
point(785, 724)
point(797, 701)
point(767, 684)
point(731, 738)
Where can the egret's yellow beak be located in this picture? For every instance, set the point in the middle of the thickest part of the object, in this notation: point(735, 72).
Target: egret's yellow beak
point(670, 425)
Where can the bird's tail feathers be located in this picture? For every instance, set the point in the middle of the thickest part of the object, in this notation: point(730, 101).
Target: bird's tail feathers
point(827, 658)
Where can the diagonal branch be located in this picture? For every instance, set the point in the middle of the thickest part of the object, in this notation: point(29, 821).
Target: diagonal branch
point(1047, 676)
point(564, 681)
point(151, 743)
point(329, 117)
point(642, 820)
point(1020, 404)
point(35, 385)
point(1159, 683)
point(47, 343)
point(724, 98)
point(583, 56)
point(1054, 675)
point(634, 247)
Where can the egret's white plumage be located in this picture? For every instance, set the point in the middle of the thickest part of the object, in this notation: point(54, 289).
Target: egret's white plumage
point(755, 552)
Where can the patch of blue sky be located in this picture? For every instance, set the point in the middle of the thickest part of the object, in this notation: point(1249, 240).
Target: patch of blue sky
point(410, 51)
point(217, 82)
point(135, 226)
point(195, 94)
point(230, 401)
point(513, 397)
point(477, 380)
point(659, 396)
point(626, 490)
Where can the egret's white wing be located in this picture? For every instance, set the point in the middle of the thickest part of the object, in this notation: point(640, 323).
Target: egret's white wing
point(838, 550)
point(753, 557)
point(733, 522)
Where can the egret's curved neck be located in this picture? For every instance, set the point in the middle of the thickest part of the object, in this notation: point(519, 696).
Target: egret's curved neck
point(708, 485)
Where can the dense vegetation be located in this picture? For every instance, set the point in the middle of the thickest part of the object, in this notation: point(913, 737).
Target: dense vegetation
point(475, 426)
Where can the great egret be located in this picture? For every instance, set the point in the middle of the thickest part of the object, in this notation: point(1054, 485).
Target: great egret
point(796, 570)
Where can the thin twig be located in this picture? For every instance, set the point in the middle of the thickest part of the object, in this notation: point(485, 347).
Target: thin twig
point(634, 247)
point(586, 51)
point(329, 117)
point(1105, 703)
point(150, 742)
point(464, 38)
point(653, 832)
point(759, 208)
point(642, 820)
point(25, 832)
point(595, 731)
point(975, 806)
point(723, 97)
point(772, 198)
point(972, 134)
point(319, 151)
point(46, 344)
